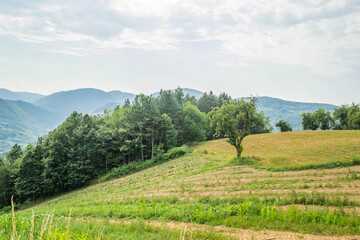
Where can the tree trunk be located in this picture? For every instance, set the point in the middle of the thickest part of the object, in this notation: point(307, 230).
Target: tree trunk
point(142, 154)
point(141, 147)
point(152, 142)
point(239, 148)
point(238, 153)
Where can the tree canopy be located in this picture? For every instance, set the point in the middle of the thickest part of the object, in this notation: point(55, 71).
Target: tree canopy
point(238, 119)
point(284, 126)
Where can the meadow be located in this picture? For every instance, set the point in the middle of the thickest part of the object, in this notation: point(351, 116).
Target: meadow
point(207, 194)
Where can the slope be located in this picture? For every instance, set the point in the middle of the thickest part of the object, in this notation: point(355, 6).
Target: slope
point(22, 122)
point(85, 100)
point(23, 96)
point(208, 191)
point(190, 91)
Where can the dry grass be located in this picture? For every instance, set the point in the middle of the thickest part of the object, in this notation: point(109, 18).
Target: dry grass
point(208, 173)
point(307, 147)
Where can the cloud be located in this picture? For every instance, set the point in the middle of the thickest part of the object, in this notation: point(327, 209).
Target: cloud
point(321, 35)
point(159, 39)
point(163, 9)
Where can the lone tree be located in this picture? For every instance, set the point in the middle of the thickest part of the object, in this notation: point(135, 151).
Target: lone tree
point(238, 119)
point(284, 126)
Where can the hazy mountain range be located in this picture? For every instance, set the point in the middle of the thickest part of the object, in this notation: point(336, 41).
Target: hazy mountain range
point(22, 122)
point(25, 116)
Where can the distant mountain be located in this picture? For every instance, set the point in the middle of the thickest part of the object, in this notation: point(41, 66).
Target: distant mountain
point(85, 100)
point(110, 105)
point(22, 122)
point(23, 96)
point(119, 97)
point(192, 92)
point(290, 111)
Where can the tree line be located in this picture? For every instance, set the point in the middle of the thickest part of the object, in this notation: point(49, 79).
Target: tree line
point(346, 117)
point(84, 147)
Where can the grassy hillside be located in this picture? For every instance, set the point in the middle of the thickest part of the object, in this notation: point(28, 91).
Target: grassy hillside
point(208, 195)
point(294, 149)
point(22, 122)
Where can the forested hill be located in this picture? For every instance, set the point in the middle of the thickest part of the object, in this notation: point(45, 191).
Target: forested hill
point(193, 92)
point(290, 111)
point(25, 128)
point(23, 96)
point(85, 100)
point(22, 122)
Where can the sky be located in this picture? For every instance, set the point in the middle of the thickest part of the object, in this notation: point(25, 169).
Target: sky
point(300, 50)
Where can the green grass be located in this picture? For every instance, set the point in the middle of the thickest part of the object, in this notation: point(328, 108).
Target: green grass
point(208, 187)
point(55, 227)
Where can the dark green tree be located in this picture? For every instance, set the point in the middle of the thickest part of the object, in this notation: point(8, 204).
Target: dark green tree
point(191, 98)
point(284, 126)
point(179, 96)
point(168, 136)
point(14, 154)
point(323, 119)
point(354, 117)
point(29, 183)
point(196, 124)
point(340, 116)
point(309, 121)
point(168, 103)
point(207, 102)
point(223, 97)
point(5, 186)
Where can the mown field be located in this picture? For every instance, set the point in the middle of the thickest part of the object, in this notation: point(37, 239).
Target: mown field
point(207, 194)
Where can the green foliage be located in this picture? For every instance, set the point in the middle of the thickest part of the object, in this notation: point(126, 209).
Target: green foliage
point(223, 97)
point(196, 124)
point(207, 102)
point(84, 147)
point(169, 132)
point(323, 119)
point(190, 98)
point(29, 183)
point(238, 119)
point(344, 118)
point(354, 117)
point(14, 154)
point(133, 167)
point(176, 152)
point(4, 186)
point(284, 126)
point(309, 121)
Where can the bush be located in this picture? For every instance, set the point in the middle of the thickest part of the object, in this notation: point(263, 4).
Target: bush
point(176, 152)
point(138, 166)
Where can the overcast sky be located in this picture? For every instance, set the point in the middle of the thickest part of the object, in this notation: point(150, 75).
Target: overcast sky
point(303, 50)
